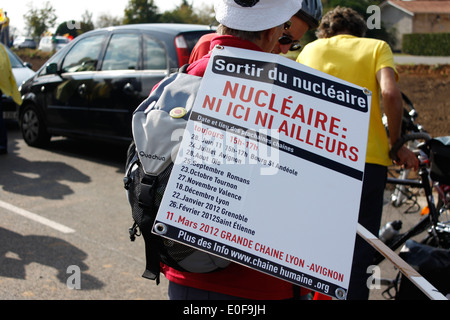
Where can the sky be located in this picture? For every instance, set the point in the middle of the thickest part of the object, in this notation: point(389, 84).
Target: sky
point(66, 11)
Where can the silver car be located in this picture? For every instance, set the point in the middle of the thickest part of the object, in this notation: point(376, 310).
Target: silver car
point(52, 43)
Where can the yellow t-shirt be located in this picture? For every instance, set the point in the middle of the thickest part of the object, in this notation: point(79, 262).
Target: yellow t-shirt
point(7, 81)
point(356, 60)
point(5, 22)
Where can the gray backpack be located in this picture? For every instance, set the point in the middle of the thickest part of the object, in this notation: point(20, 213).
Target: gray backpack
point(149, 164)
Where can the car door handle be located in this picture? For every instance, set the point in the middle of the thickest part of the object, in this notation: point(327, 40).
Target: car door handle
point(128, 88)
point(82, 90)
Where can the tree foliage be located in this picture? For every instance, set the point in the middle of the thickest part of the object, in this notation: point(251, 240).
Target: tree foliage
point(141, 11)
point(361, 7)
point(106, 20)
point(184, 13)
point(145, 11)
point(86, 22)
point(358, 5)
point(75, 28)
point(40, 20)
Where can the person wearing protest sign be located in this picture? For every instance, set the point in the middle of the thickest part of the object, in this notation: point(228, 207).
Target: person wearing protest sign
point(342, 51)
point(307, 18)
point(201, 48)
point(257, 26)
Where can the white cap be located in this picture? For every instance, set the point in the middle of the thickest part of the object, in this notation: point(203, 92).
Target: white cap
point(255, 15)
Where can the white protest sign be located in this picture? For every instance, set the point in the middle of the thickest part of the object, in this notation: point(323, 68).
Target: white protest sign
point(269, 172)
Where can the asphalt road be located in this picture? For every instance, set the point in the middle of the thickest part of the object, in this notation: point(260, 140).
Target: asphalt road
point(82, 251)
point(64, 222)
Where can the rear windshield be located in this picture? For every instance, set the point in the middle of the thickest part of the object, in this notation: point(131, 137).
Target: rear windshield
point(193, 37)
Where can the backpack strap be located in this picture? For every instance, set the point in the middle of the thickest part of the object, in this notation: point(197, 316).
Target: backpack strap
point(147, 194)
point(152, 257)
point(146, 202)
point(184, 68)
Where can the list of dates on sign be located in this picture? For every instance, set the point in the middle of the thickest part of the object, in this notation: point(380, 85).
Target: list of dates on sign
point(205, 187)
point(202, 207)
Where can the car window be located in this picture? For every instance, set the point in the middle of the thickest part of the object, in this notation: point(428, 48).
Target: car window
point(154, 54)
point(53, 59)
point(192, 38)
point(83, 56)
point(122, 52)
point(59, 40)
point(15, 62)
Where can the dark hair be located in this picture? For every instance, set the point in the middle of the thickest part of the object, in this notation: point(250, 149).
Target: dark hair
point(341, 20)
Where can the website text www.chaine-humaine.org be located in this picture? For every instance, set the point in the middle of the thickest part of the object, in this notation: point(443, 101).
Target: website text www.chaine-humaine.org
point(260, 263)
point(297, 277)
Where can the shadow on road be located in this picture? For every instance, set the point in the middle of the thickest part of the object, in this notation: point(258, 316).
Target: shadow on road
point(17, 251)
point(37, 178)
point(46, 178)
point(96, 151)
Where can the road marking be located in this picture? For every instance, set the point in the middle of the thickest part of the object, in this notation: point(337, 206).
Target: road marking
point(33, 216)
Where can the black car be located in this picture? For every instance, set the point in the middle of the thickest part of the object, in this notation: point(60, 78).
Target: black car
point(91, 87)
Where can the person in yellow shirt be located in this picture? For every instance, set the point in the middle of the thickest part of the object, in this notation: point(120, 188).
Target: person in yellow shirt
point(8, 86)
point(4, 35)
point(342, 51)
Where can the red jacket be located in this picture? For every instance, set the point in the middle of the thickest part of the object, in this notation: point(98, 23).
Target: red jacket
point(235, 280)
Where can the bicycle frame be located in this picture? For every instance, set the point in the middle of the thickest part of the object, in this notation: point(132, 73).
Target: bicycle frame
point(399, 195)
point(437, 234)
point(429, 221)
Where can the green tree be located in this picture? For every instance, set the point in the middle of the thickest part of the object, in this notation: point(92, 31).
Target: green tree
point(186, 13)
point(75, 28)
point(141, 11)
point(206, 14)
point(361, 7)
point(68, 27)
point(358, 5)
point(107, 20)
point(40, 20)
point(86, 22)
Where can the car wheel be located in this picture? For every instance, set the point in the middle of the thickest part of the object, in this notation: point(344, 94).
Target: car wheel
point(33, 128)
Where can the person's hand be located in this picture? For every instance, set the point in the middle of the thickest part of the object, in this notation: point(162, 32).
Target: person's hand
point(407, 159)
